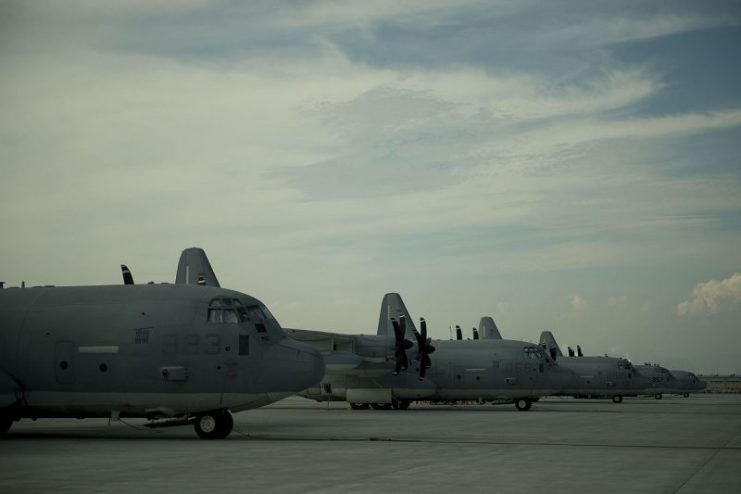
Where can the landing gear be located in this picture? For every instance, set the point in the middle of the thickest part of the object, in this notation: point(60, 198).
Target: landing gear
point(400, 404)
point(617, 399)
point(359, 406)
point(381, 406)
point(658, 396)
point(686, 395)
point(214, 425)
point(523, 404)
point(5, 423)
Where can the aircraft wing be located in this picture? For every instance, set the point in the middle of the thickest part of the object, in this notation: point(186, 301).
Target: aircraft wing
point(356, 355)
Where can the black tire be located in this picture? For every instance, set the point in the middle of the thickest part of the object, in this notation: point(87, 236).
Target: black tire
point(658, 396)
point(214, 425)
point(523, 404)
point(381, 406)
point(5, 423)
point(686, 395)
point(400, 404)
point(359, 406)
point(617, 399)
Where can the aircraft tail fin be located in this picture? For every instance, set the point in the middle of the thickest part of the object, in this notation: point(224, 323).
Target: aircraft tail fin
point(194, 269)
point(392, 306)
point(488, 329)
point(547, 340)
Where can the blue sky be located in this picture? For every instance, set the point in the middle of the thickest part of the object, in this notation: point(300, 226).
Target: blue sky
point(571, 166)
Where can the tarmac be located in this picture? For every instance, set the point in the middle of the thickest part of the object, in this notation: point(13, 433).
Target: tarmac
point(674, 445)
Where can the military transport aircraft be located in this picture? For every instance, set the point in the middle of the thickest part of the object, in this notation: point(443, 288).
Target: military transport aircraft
point(596, 377)
point(360, 372)
point(661, 380)
point(176, 354)
point(686, 383)
point(390, 369)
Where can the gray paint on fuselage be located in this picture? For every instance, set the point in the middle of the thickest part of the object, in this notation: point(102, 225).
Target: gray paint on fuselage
point(85, 351)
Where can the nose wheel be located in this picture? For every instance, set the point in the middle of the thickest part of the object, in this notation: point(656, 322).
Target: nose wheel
point(216, 424)
point(658, 396)
point(617, 399)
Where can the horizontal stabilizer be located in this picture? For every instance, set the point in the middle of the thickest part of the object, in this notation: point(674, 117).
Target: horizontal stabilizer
point(488, 329)
point(194, 269)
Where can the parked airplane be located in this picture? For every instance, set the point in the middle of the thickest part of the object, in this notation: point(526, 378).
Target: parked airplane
point(359, 370)
point(596, 377)
point(661, 380)
point(687, 382)
point(187, 354)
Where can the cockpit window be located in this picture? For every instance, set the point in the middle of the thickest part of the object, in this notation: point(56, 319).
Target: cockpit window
point(258, 313)
point(535, 353)
point(226, 311)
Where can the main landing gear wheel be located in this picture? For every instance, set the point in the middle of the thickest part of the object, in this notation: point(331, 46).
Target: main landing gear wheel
point(359, 406)
point(686, 395)
point(617, 399)
point(214, 425)
point(523, 404)
point(381, 406)
point(5, 423)
point(400, 404)
point(658, 396)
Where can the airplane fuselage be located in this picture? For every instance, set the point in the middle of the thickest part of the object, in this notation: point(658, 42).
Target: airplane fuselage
point(461, 370)
point(143, 350)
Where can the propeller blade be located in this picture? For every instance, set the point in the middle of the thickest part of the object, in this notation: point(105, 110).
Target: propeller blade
point(571, 351)
point(458, 333)
point(475, 334)
point(430, 348)
point(423, 327)
point(554, 353)
point(397, 330)
point(578, 351)
point(127, 278)
point(397, 367)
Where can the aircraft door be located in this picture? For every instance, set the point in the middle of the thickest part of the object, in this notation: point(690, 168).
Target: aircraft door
point(64, 362)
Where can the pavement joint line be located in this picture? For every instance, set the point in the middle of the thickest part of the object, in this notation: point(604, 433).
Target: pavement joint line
point(260, 437)
point(706, 462)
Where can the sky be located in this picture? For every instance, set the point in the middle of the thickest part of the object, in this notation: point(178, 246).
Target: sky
point(568, 165)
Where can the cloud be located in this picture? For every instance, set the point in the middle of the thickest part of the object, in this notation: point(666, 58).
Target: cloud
point(707, 297)
point(578, 303)
point(617, 300)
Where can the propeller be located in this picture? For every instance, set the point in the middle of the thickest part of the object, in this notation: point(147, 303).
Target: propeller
point(402, 345)
point(578, 351)
point(425, 348)
point(475, 334)
point(571, 351)
point(458, 333)
point(127, 278)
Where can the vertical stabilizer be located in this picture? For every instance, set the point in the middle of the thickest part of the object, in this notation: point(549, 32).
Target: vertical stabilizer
point(547, 339)
point(393, 306)
point(488, 329)
point(194, 269)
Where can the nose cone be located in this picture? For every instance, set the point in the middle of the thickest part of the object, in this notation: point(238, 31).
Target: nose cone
point(291, 366)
